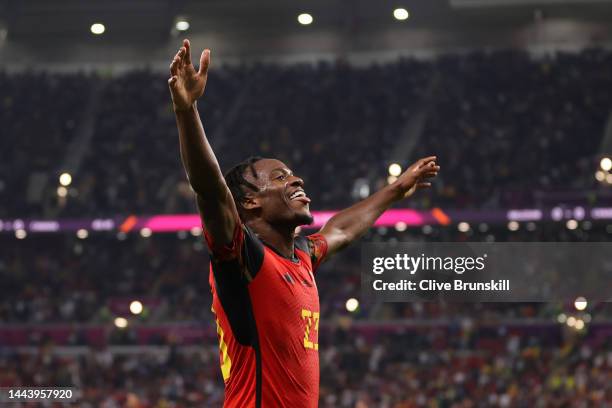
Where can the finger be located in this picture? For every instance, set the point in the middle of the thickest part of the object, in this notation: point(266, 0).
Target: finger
point(204, 62)
point(429, 174)
point(172, 81)
point(181, 56)
point(426, 160)
point(428, 170)
point(174, 66)
point(187, 47)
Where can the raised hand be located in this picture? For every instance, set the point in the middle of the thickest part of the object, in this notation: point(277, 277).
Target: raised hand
point(187, 84)
point(416, 176)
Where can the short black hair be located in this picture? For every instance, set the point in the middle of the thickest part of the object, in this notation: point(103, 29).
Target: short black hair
point(234, 178)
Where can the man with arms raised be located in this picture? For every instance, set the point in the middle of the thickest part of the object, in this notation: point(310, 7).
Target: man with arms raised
point(262, 275)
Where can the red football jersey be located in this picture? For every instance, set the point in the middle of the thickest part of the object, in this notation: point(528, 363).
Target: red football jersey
point(267, 315)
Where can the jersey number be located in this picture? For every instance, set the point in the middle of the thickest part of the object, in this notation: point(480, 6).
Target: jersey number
point(310, 317)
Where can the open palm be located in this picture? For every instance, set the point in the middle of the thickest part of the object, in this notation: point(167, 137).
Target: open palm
point(187, 84)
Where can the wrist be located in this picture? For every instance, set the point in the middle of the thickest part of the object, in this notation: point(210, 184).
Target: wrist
point(396, 191)
point(185, 109)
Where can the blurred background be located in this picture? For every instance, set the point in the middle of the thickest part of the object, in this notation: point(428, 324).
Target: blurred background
point(103, 269)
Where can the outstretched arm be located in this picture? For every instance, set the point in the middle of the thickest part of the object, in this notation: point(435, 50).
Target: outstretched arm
point(351, 223)
point(214, 199)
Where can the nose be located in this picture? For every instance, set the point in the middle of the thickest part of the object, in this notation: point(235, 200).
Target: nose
point(297, 182)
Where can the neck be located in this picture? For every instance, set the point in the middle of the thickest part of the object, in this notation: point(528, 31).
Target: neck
point(278, 237)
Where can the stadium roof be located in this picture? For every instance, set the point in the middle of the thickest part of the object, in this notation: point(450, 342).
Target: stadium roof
point(242, 26)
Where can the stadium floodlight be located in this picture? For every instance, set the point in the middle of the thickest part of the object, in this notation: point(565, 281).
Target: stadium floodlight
point(571, 224)
point(20, 234)
point(579, 324)
point(196, 231)
point(136, 307)
point(352, 304)
point(97, 28)
point(395, 169)
point(606, 164)
point(145, 232)
point(62, 191)
point(562, 318)
point(401, 226)
point(600, 175)
point(391, 179)
point(182, 25)
point(305, 19)
point(82, 233)
point(513, 226)
point(65, 179)
point(571, 321)
point(580, 303)
point(401, 14)
point(121, 322)
point(463, 227)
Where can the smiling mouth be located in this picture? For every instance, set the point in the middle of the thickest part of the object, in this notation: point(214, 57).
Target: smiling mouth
point(299, 195)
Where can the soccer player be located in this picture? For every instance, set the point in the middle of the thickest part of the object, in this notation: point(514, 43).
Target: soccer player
point(262, 275)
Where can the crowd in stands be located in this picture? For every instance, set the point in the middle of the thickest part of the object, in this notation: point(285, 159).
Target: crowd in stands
point(397, 369)
point(503, 124)
point(39, 116)
point(506, 125)
point(55, 279)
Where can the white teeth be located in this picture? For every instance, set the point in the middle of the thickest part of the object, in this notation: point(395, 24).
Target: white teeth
point(297, 194)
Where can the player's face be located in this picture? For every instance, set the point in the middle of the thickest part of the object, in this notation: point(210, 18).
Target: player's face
point(281, 197)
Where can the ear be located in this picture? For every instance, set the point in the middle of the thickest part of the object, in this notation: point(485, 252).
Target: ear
point(251, 203)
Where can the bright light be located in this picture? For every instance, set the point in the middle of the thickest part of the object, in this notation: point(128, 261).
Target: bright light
point(463, 227)
point(400, 14)
point(571, 321)
point(182, 25)
point(364, 191)
point(20, 234)
point(391, 179)
point(513, 226)
point(97, 28)
point(562, 318)
point(600, 175)
point(609, 178)
point(395, 169)
point(401, 226)
point(571, 224)
point(580, 303)
point(62, 191)
point(82, 233)
point(145, 232)
point(579, 324)
point(606, 164)
point(136, 307)
point(121, 322)
point(305, 19)
point(65, 179)
point(352, 304)
point(196, 231)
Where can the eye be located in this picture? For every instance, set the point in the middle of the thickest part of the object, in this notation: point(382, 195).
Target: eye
point(281, 177)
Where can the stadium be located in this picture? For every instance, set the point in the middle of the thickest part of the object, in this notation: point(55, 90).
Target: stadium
point(108, 271)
